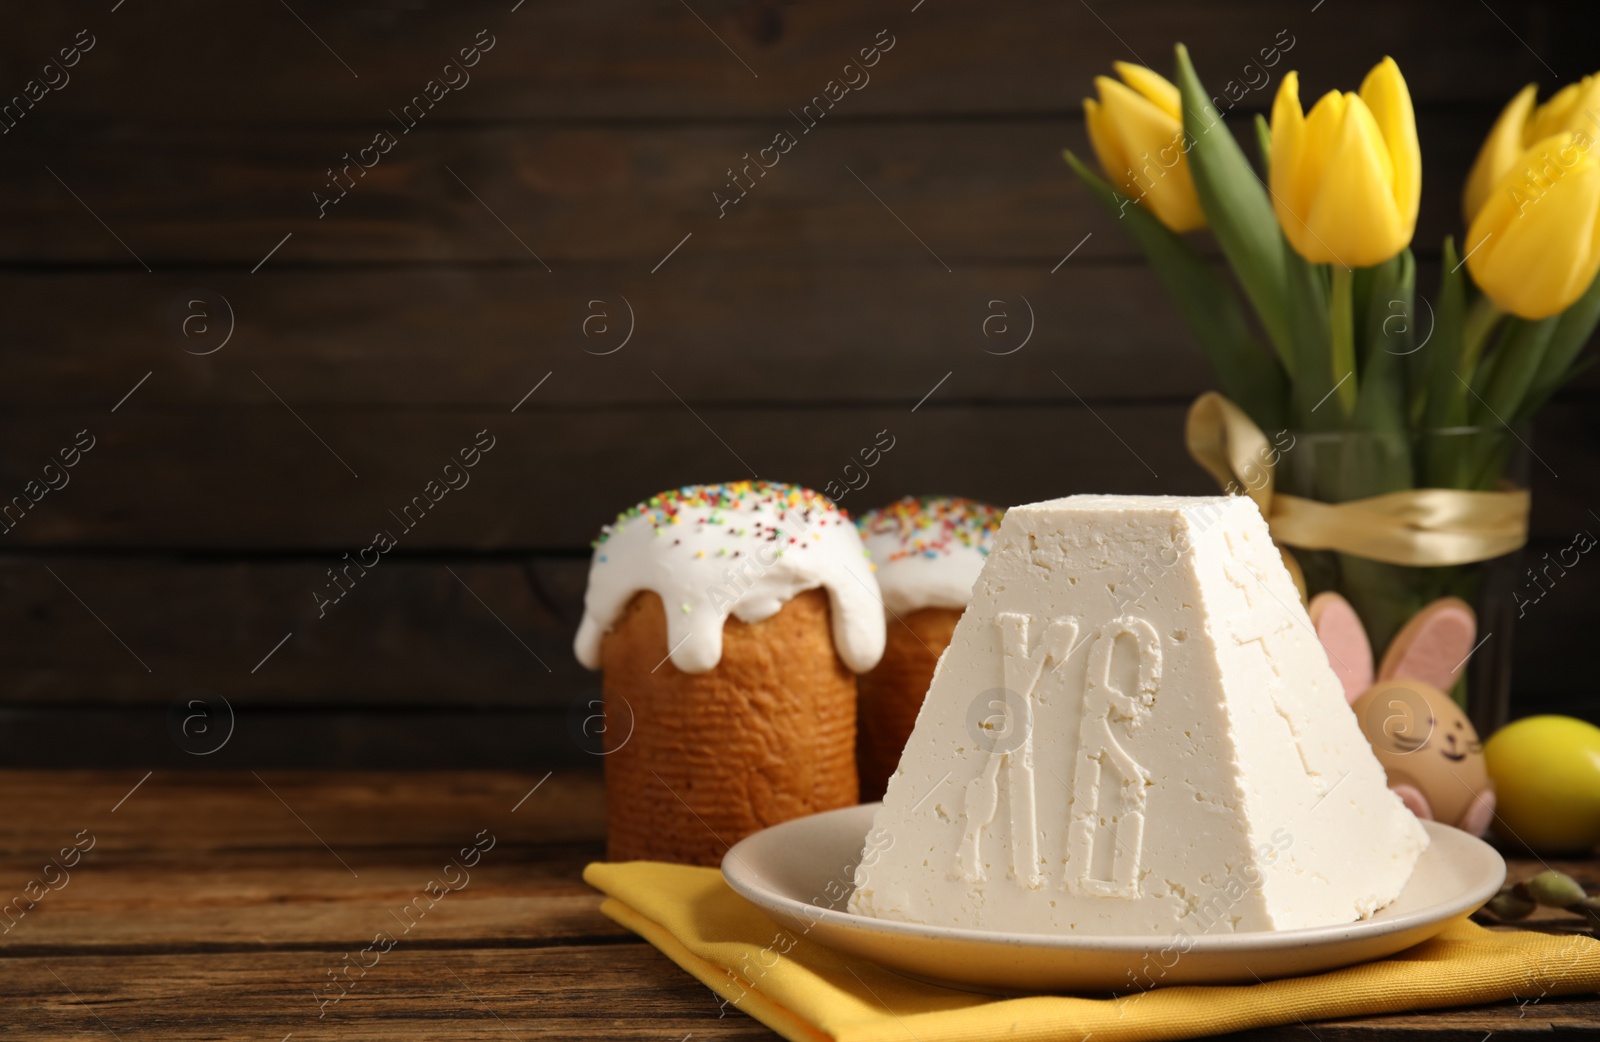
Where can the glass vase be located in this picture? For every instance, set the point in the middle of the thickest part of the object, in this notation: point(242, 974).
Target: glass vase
point(1337, 466)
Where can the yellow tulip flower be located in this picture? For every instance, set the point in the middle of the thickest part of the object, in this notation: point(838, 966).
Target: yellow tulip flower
point(1136, 128)
point(1346, 180)
point(1534, 246)
point(1575, 107)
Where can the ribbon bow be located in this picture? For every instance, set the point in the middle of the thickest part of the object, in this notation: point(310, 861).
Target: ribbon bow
point(1419, 528)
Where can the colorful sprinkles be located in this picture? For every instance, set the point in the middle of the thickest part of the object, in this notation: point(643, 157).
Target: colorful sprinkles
point(931, 526)
point(728, 506)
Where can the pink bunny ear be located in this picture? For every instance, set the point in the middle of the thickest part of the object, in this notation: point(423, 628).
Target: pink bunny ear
point(1414, 800)
point(1480, 813)
point(1345, 641)
point(1433, 646)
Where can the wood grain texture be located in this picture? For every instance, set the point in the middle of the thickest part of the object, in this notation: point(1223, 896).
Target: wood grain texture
point(444, 337)
point(135, 902)
point(637, 59)
point(994, 189)
point(553, 474)
point(415, 644)
point(451, 632)
point(608, 992)
point(448, 338)
point(605, 992)
point(257, 477)
point(377, 340)
point(451, 731)
point(197, 813)
point(207, 909)
point(189, 552)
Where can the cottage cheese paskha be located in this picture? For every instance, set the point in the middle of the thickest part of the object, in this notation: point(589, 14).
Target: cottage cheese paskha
point(1185, 761)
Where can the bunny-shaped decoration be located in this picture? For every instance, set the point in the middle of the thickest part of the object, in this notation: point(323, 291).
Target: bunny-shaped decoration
point(1421, 737)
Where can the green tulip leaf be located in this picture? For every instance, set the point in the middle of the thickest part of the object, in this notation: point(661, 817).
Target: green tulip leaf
point(1482, 373)
point(1445, 395)
point(1517, 365)
point(1306, 296)
point(1385, 328)
point(1342, 337)
point(1237, 208)
point(1560, 363)
point(1248, 374)
point(1580, 366)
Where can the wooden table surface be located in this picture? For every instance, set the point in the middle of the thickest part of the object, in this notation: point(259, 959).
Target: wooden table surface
point(216, 906)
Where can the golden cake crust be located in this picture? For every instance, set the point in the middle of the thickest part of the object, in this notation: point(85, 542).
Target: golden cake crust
point(891, 694)
point(765, 736)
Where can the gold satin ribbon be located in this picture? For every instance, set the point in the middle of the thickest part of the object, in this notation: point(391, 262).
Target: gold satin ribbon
point(1420, 528)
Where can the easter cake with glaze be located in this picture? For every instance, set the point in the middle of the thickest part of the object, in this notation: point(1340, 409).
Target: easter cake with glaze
point(729, 622)
point(928, 551)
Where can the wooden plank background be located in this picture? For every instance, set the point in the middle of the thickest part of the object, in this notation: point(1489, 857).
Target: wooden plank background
point(212, 905)
point(573, 175)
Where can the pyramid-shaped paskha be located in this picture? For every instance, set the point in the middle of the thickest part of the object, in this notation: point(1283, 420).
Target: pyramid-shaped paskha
point(1135, 730)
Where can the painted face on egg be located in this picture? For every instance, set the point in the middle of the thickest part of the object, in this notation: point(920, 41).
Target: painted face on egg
point(1424, 740)
point(1458, 741)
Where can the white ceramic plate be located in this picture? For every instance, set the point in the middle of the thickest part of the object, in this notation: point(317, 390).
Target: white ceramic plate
point(800, 874)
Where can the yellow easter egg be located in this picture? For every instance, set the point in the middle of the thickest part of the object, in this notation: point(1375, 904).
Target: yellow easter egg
point(1546, 771)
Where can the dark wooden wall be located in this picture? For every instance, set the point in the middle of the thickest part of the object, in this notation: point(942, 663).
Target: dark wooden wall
point(578, 165)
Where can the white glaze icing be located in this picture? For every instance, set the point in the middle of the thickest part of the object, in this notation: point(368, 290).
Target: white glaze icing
point(742, 549)
point(929, 551)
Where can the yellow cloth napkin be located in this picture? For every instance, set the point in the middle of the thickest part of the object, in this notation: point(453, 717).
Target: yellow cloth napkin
point(806, 992)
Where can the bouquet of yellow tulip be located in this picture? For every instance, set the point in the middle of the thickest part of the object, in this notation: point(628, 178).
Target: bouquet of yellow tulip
point(1319, 247)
